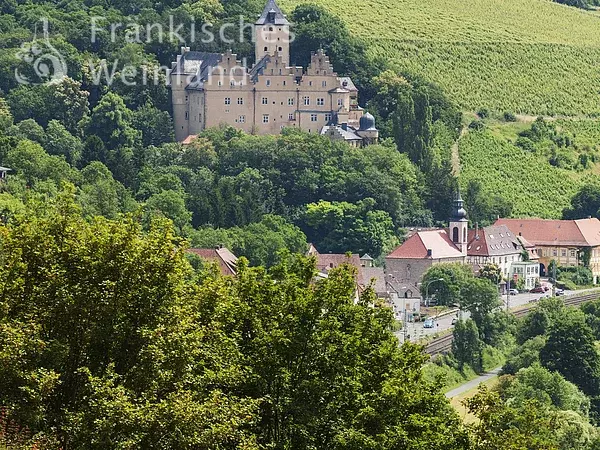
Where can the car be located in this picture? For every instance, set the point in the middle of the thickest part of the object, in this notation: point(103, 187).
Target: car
point(559, 292)
point(428, 323)
point(454, 320)
point(513, 292)
point(538, 290)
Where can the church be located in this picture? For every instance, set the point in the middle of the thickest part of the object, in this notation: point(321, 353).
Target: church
point(212, 89)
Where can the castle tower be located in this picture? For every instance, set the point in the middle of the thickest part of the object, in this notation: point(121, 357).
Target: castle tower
point(272, 34)
point(367, 129)
point(459, 224)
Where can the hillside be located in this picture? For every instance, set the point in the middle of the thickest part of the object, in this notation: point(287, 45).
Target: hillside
point(523, 56)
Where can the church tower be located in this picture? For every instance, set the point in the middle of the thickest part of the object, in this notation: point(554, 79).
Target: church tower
point(459, 224)
point(272, 34)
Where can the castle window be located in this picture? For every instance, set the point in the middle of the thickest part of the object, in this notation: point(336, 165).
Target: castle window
point(340, 101)
point(279, 71)
point(186, 115)
point(327, 117)
point(324, 83)
point(224, 71)
point(240, 101)
point(219, 83)
point(455, 234)
point(265, 101)
point(284, 83)
point(313, 117)
point(242, 119)
point(280, 49)
point(268, 82)
point(228, 100)
point(306, 101)
point(265, 118)
point(320, 101)
point(291, 101)
point(266, 49)
point(186, 98)
point(291, 116)
point(310, 83)
point(270, 28)
point(232, 83)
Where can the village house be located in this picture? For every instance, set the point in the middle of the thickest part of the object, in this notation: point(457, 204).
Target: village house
point(406, 265)
point(477, 247)
point(569, 242)
point(211, 89)
point(224, 259)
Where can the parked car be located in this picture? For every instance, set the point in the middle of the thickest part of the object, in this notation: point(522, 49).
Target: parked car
point(559, 292)
point(538, 290)
point(513, 291)
point(428, 323)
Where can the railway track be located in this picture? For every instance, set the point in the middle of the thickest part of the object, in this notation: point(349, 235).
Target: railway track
point(443, 344)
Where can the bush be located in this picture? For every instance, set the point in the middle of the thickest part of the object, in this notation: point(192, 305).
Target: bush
point(483, 113)
point(510, 117)
point(477, 125)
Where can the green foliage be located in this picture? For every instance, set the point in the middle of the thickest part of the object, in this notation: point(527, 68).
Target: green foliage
point(592, 316)
point(337, 227)
point(525, 355)
point(540, 320)
point(585, 203)
point(115, 342)
point(261, 242)
point(503, 426)
point(491, 272)
point(467, 348)
point(448, 291)
point(570, 350)
point(547, 388)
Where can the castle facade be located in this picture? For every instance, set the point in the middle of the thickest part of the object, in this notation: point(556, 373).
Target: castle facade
point(211, 89)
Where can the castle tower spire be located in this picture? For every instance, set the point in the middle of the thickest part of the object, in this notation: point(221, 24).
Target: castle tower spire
point(272, 33)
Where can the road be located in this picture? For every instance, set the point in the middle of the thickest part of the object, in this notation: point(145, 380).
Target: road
point(416, 331)
point(473, 383)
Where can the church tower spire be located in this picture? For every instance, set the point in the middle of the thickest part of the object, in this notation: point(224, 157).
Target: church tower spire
point(459, 224)
point(272, 33)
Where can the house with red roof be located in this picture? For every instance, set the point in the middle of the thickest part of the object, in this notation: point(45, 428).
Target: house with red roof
point(221, 256)
point(569, 242)
point(406, 265)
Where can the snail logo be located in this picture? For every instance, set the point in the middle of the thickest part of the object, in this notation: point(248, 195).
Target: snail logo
point(47, 64)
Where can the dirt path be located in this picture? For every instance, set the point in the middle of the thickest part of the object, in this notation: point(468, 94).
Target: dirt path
point(455, 154)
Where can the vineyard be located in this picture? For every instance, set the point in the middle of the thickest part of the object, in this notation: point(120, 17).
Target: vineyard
point(527, 180)
point(522, 56)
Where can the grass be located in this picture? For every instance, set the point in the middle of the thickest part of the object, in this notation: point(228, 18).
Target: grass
point(522, 56)
point(453, 377)
point(457, 402)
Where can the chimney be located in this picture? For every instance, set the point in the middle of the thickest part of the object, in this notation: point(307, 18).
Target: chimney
point(429, 253)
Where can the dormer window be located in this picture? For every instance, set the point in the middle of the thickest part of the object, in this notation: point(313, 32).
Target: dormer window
point(270, 28)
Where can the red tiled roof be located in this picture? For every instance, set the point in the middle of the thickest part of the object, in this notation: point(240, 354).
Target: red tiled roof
point(222, 256)
point(579, 233)
point(416, 246)
point(188, 140)
point(328, 261)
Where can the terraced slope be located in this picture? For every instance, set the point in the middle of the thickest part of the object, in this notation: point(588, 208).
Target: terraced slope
point(523, 56)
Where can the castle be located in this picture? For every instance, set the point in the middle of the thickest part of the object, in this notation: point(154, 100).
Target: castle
point(210, 89)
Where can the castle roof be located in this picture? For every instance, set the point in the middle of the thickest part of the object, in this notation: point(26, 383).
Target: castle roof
point(272, 14)
point(195, 62)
